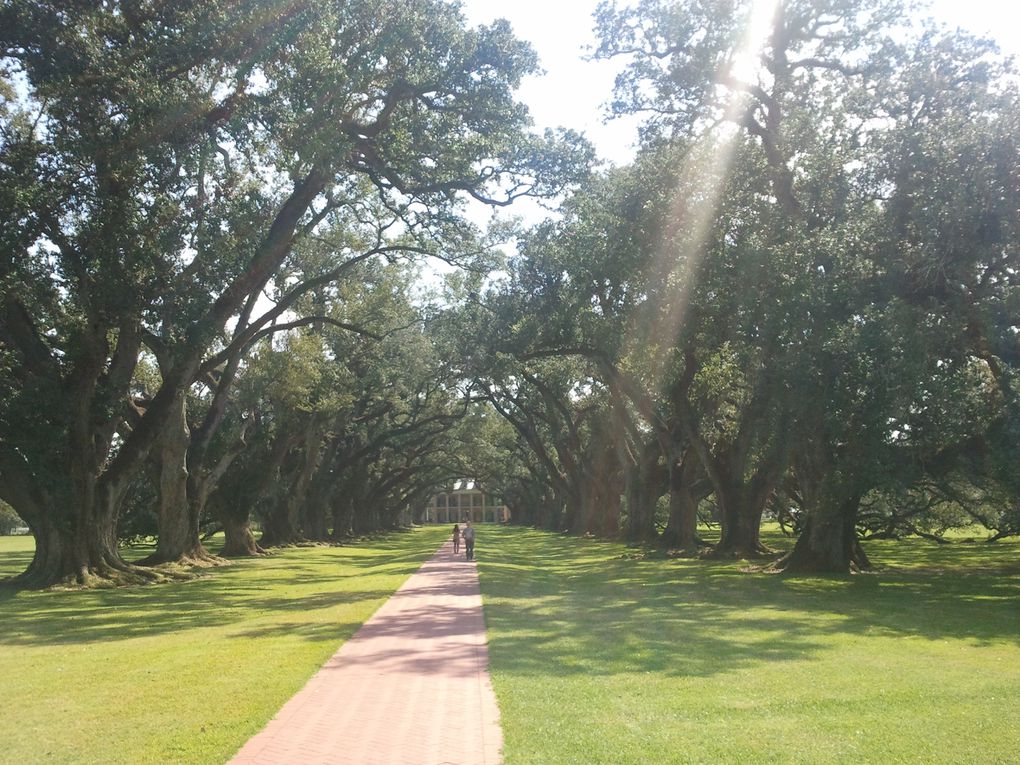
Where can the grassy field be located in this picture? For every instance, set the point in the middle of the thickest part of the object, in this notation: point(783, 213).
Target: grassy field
point(598, 657)
point(185, 672)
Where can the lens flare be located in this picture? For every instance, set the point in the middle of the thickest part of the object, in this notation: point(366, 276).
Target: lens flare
point(695, 201)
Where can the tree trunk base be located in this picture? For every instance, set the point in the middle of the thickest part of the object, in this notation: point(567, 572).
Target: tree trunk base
point(804, 561)
point(288, 541)
point(105, 575)
point(643, 538)
point(684, 552)
point(326, 539)
point(197, 557)
point(736, 552)
point(91, 561)
point(271, 538)
point(860, 560)
point(238, 539)
point(674, 541)
point(243, 548)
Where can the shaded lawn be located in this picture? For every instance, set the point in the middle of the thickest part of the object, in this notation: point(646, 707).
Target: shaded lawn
point(601, 658)
point(15, 555)
point(182, 672)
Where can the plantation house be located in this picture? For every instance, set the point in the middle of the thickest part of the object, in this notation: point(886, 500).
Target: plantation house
point(463, 501)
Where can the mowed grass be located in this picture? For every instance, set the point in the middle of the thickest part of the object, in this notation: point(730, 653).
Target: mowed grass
point(183, 672)
point(598, 657)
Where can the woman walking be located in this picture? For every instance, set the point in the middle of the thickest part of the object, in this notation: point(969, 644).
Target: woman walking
point(456, 539)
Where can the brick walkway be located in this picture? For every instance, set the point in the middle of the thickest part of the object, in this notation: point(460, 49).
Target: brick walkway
point(411, 687)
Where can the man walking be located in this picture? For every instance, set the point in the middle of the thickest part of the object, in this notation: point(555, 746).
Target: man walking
point(468, 534)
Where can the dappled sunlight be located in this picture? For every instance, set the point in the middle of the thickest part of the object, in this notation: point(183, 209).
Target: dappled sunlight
point(680, 250)
point(595, 610)
point(659, 659)
point(248, 592)
point(229, 647)
point(747, 63)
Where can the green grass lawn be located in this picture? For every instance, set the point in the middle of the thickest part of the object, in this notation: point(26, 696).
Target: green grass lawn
point(183, 672)
point(601, 658)
point(597, 656)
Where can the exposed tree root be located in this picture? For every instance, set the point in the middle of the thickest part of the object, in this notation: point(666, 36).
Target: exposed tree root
point(197, 558)
point(305, 543)
point(740, 553)
point(684, 552)
point(105, 576)
point(804, 562)
point(250, 549)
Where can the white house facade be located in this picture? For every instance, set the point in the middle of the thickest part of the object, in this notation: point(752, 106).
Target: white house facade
point(465, 501)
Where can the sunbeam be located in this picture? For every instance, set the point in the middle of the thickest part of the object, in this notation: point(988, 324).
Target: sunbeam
point(695, 201)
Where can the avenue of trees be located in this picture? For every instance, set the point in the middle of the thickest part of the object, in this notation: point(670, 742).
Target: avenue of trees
point(183, 182)
point(800, 300)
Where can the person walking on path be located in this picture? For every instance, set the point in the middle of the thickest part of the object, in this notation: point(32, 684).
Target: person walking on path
point(469, 541)
point(456, 539)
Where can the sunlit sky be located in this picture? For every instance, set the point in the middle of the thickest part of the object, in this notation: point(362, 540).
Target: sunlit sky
point(573, 91)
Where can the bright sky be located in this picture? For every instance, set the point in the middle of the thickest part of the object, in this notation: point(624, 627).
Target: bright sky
point(573, 91)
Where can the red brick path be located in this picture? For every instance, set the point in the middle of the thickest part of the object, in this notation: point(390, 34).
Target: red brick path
point(410, 688)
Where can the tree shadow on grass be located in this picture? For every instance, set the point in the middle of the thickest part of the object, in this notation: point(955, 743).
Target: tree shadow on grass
point(248, 590)
point(12, 563)
point(560, 606)
point(100, 616)
point(340, 631)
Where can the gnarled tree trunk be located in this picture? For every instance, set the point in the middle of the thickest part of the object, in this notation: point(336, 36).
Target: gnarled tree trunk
point(315, 515)
point(828, 543)
point(644, 487)
point(76, 539)
point(283, 526)
point(279, 526)
point(239, 541)
point(831, 492)
point(179, 538)
point(681, 531)
point(343, 518)
point(741, 505)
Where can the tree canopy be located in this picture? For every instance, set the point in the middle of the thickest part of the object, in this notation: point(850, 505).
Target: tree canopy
point(799, 301)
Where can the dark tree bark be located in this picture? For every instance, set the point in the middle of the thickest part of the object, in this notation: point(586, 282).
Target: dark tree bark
point(283, 523)
point(828, 542)
point(179, 515)
point(681, 528)
point(280, 525)
point(610, 515)
point(234, 514)
point(239, 541)
point(681, 531)
point(70, 496)
point(315, 519)
point(76, 539)
point(681, 521)
point(343, 517)
point(645, 484)
point(347, 505)
point(315, 515)
point(741, 505)
point(740, 499)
